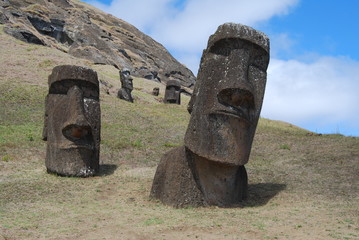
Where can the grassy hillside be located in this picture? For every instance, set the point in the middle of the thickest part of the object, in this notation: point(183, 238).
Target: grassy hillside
point(301, 187)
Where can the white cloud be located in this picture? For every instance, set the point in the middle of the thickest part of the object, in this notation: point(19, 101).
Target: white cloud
point(281, 44)
point(191, 28)
point(315, 92)
point(314, 95)
point(186, 30)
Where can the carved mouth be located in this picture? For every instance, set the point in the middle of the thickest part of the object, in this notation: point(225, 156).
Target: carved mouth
point(236, 113)
point(73, 145)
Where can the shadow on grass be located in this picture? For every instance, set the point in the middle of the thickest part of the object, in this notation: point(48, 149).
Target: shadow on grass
point(107, 169)
point(261, 193)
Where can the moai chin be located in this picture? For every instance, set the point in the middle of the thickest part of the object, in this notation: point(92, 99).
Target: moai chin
point(126, 85)
point(225, 107)
point(173, 92)
point(72, 122)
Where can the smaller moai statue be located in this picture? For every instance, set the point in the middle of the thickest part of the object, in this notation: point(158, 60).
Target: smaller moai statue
point(72, 122)
point(126, 85)
point(156, 91)
point(173, 92)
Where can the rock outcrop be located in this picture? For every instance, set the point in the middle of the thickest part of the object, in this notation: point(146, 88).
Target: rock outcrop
point(86, 32)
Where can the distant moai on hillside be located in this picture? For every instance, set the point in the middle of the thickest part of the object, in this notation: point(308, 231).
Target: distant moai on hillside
point(156, 91)
point(126, 85)
point(72, 122)
point(173, 92)
point(225, 108)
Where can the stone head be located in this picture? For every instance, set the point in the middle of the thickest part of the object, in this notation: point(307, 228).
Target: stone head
point(156, 91)
point(228, 94)
point(126, 79)
point(173, 92)
point(72, 121)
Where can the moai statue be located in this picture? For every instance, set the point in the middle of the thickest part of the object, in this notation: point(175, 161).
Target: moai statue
point(126, 86)
point(72, 122)
point(173, 92)
point(156, 91)
point(225, 107)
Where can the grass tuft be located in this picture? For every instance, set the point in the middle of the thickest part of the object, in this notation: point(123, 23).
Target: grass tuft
point(296, 180)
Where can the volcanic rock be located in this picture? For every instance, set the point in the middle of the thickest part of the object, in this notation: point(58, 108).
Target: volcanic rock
point(86, 32)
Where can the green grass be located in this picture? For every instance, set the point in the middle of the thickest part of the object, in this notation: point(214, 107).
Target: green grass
point(299, 184)
point(153, 221)
point(21, 103)
point(284, 146)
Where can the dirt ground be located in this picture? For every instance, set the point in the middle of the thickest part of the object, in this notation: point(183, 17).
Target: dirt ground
point(115, 205)
point(301, 185)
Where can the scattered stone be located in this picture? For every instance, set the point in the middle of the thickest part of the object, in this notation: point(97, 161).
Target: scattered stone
point(173, 92)
point(225, 107)
point(313, 134)
point(148, 74)
point(85, 32)
point(54, 29)
point(61, 3)
point(72, 122)
point(126, 85)
point(3, 17)
point(23, 35)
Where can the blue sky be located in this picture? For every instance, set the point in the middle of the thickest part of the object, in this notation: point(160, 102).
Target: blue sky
point(313, 76)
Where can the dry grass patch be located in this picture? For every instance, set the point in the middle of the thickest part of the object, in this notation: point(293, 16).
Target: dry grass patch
point(301, 187)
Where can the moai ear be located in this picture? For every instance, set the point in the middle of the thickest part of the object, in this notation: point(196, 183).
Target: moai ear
point(44, 130)
point(190, 104)
point(193, 97)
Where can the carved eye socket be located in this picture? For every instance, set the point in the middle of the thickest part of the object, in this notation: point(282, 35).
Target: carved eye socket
point(261, 62)
point(75, 132)
point(237, 98)
point(225, 46)
point(224, 51)
point(63, 86)
point(79, 132)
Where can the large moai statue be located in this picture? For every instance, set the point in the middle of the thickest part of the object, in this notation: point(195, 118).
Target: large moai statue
point(173, 92)
point(126, 85)
point(72, 122)
point(225, 107)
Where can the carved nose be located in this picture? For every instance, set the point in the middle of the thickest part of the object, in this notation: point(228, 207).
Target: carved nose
point(239, 102)
point(76, 127)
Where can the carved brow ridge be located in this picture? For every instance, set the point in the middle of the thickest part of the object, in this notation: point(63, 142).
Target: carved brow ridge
point(61, 87)
point(226, 45)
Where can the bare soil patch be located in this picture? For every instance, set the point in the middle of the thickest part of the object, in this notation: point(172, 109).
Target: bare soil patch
point(301, 186)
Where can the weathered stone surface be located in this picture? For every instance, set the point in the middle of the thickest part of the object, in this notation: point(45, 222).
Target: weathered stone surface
point(3, 17)
point(61, 3)
point(229, 91)
point(4, 3)
point(54, 28)
point(148, 74)
point(72, 122)
point(126, 85)
point(24, 35)
point(225, 108)
point(174, 183)
point(173, 92)
point(85, 32)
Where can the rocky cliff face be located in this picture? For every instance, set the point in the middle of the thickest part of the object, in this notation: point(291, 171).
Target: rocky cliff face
point(86, 32)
